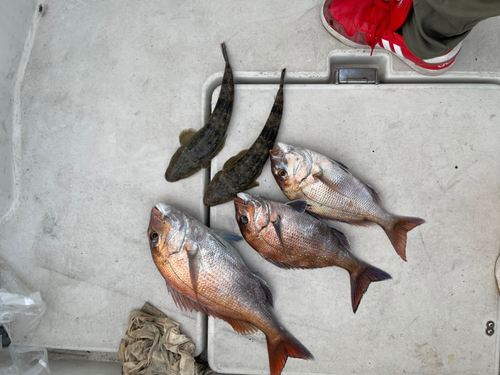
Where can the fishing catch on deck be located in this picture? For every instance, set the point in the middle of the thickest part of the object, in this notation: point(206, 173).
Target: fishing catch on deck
point(199, 147)
point(241, 171)
point(333, 193)
point(289, 238)
point(205, 273)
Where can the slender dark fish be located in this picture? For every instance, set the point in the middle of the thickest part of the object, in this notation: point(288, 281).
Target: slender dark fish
point(199, 147)
point(289, 238)
point(205, 273)
point(333, 193)
point(241, 171)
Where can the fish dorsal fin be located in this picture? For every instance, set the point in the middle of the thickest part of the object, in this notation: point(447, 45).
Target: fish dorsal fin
point(186, 136)
point(375, 195)
point(341, 237)
point(298, 205)
point(373, 192)
point(324, 179)
point(363, 223)
point(318, 216)
point(194, 260)
point(233, 159)
point(342, 166)
point(267, 290)
point(277, 227)
point(228, 236)
point(252, 185)
point(184, 303)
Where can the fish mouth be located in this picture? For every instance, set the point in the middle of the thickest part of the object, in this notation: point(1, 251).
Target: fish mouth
point(157, 213)
point(243, 197)
point(170, 175)
point(208, 200)
point(275, 153)
point(160, 210)
point(156, 221)
point(241, 200)
point(283, 146)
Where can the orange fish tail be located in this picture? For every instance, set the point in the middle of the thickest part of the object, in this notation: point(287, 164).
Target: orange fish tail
point(397, 232)
point(283, 347)
point(361, 281)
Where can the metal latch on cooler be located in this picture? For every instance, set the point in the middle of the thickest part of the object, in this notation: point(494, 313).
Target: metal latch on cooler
point(356, 76)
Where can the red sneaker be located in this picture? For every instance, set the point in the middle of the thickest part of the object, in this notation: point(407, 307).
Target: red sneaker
point(373, 23)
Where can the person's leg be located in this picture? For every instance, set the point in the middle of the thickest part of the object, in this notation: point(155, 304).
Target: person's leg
point(434, 27)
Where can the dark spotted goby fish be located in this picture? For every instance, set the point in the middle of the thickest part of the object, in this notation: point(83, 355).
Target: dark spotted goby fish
point(205, 273)
point(199, 147)
point(241, 171)
point(332, 192)
point(289, 238)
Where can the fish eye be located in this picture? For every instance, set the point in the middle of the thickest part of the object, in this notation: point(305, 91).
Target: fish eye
point(244, 220)
point(282, 173)
point(154, 236)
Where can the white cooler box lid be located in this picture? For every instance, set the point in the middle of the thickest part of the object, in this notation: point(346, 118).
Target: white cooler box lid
point(431, 151)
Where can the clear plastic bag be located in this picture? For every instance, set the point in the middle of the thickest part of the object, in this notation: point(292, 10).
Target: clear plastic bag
point(20, 314)
point(27, 360)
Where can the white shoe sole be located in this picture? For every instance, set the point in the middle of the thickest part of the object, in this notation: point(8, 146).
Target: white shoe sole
point(419, 69)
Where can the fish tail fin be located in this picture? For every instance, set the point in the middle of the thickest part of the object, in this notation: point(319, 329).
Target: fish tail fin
point(397, 232)
point(224, 51)
point(282, 347)
point(282, 78)
point(361, 280)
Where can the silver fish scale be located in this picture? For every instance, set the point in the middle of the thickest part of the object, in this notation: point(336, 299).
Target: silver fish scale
point(308, 237)
point(354, 203)
point(224, 277)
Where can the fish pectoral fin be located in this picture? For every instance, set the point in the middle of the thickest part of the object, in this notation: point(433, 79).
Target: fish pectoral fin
point(267, 290)
point(186, 136)
point(298, 205)
point(252, 185)
point(318, 174)
point(321, 176)
point(228, 236)
point(194, 260)
point(233, 159)
point(277, 228)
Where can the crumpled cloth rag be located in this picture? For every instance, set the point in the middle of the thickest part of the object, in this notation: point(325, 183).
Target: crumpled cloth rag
point(155, 346)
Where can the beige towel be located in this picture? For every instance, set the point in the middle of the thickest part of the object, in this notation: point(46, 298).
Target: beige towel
point(155, 346)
